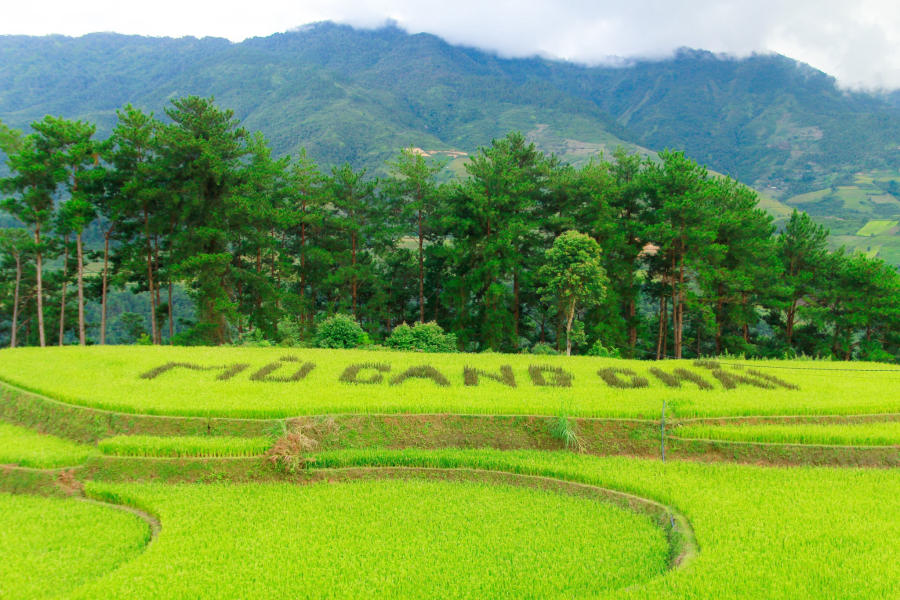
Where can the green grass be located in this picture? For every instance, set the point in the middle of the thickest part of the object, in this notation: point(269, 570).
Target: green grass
point(877, 227)
point(808, 197)
point(28, 448)
point(858, 434)
point(51, 546)
point(381, 539)
point(184, 446)
point(111, 378)
point(773, 533)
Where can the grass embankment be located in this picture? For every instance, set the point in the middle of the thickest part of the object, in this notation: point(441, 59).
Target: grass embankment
point(52, 546)
point(382, 539)
point(277, 382)
point(26, 448)
point(180, 447)
point(856, 434)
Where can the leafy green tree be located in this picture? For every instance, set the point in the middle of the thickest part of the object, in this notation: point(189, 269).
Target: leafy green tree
point(15, 244)
point(38, 168)
point(740, 275)
point(573, 275)
point(801, 248)
point(303, 220)
point(413, 185)
point(10, 139)
point(681, 224)
point(493, 223)
point(355, 216)
point(201, 154)
point(133, 204)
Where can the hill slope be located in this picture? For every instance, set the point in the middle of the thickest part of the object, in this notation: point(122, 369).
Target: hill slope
point(359, 95)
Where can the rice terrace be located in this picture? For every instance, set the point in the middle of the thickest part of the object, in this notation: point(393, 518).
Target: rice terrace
point(297, 472)
point(484, 301)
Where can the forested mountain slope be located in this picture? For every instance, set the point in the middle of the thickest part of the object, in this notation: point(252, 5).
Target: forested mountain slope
point(359, 95)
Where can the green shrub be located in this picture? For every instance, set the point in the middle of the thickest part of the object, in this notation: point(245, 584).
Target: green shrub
point(544, 349)
point(598, 349)
point(340, 331)
point(422, 337)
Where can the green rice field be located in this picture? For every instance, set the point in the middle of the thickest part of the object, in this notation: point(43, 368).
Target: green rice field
point(877, 227)
point(857, 434)
point(297, 473)
point(52, 546)
point(27, 448)
point(399, 539)
point(154, 446)
point(227, 382)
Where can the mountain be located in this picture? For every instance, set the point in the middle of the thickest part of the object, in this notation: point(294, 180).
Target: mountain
point(359, 95)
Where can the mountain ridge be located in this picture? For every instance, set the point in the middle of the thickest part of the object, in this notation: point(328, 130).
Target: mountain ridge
point(358, 95)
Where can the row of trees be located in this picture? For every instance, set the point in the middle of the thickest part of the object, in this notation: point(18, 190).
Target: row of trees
point(264, 246)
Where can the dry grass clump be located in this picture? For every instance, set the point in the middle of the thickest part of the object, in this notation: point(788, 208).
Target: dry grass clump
point(290, 452)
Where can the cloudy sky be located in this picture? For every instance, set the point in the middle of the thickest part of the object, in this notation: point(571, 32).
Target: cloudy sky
point(857, 42)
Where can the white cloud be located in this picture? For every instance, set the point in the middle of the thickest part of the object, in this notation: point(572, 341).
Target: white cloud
point(854, 41)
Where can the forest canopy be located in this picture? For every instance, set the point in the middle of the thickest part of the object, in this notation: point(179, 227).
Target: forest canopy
point(216, 241)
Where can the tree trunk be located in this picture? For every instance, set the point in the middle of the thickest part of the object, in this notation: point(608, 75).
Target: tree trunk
point(39, 283)
point(662, 328)
point(746, 324)
point(569, 328)
point(353, 265)
point(104, 287)
point(153, 324)
point(62, 308)
point(81, 334)
point(678, 310)
point(15, 315)
point(516, 309)
point(171, 315)
point(789, 325)
point(303, 251)
point(719, 304)
point(421, 272)
point(156, 282)
point(632, 328)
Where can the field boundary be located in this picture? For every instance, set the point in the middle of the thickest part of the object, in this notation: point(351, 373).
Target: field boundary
point(152, 522)
point(598, 436)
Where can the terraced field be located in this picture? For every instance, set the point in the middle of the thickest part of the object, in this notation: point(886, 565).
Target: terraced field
point(391, 475)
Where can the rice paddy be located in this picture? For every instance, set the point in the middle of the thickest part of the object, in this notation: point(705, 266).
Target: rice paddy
point(382, 539)
point(27, 448)
point(53, 546)
point(856, 434)
point(386, 506)
point(182, 446)
point(224, 382)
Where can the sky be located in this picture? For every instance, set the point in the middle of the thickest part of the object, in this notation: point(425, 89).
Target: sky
point(855, 41)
